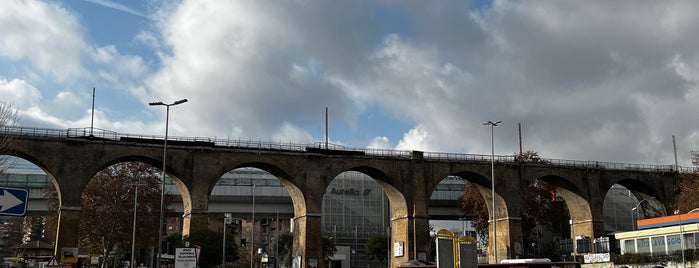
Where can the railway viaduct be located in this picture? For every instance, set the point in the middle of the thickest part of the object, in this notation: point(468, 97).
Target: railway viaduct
point(72, 157)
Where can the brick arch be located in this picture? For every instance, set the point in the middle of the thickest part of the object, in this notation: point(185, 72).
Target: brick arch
point(654, 206)
point(31, 158)
point(578, 206)
point(484, 186)
point(586, 213)
point(39, 163)
point(173, 173)
point(409, 220)
point(508, 227)
point(396, 197)
point(307, 223)
point(296, 194)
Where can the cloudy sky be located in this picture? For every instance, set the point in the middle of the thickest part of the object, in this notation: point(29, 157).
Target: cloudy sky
point(588, 80)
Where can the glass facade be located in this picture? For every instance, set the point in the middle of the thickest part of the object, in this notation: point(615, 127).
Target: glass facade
point(355, 208)
point(618, 215)
point(660, 244)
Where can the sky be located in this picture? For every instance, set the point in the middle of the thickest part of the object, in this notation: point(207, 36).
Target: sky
point(609, 81)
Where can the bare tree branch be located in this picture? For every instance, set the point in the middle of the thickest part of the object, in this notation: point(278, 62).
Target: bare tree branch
point(8, 119)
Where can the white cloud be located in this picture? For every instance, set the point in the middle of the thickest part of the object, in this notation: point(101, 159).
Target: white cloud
point(417, 138)
point(570, 72)
point(586, 81)
point(19, 93)
point(43, 34)
point(380, 143)
point(248, 71)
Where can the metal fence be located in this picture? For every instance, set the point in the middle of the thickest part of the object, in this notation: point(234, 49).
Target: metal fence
point(101, 134)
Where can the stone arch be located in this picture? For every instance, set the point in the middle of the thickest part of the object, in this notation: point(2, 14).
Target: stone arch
point(485, 187)
point(252, 229)
point(173, 173)
point(653, 204)
point(504, 230)
point(39, 163)
point(406, 221)
point(396, 198)
point(586, 219)
point(355, 207)
point(578, 206)
point(290, 181)
point(297, 195)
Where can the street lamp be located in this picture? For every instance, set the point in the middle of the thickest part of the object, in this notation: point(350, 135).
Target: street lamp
point(133, 231)
point(162, 181)
point(633, 226)
point(227, 219)
point(252, 234)
point(492, 184)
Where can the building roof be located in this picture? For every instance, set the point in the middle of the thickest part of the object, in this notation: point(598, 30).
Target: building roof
point(672, 220)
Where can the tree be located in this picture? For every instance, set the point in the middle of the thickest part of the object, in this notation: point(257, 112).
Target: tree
point(12, 235)
point(210, 243)
point(686, 197)
point(36, 226)
point(286, 242)
point(540, 207)
point(475, 209)
point(529, 157)
point(8, 118)
point(377, 247)
point(106, 221)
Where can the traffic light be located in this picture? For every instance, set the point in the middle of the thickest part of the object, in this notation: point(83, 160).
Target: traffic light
point(242, 242)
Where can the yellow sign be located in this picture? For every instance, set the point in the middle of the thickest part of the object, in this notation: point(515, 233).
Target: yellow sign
point(69, 255)
point(468, 239)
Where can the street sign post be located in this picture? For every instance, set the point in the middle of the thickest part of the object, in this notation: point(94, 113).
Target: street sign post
point(185, 258)
point(13, 201)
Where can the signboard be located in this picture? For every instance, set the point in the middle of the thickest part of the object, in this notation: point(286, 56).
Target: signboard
point(445, 252)
point(69, 255)
point(297, 262)
point(597, 258)
point(185, 258)
point(53, 262)
point(398, 249)
point(468, 255)
point(13, 201)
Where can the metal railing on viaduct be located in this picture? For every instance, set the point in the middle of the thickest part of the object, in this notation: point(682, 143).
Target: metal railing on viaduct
point(408, 178)
point(95, 133)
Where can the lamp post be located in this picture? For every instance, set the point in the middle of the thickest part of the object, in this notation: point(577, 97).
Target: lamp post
point(162, 179)
point(636, 209)
point(681, 236)
point(133, 231)
point(633, 228)
point(252, 234)
point(492, 184)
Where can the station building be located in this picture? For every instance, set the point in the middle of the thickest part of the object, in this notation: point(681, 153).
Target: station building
point(662, 235)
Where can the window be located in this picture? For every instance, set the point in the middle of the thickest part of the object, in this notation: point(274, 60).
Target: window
point(643, 245)
point(658, 245)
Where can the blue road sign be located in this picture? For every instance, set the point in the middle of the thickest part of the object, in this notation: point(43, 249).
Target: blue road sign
point(13, 201)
